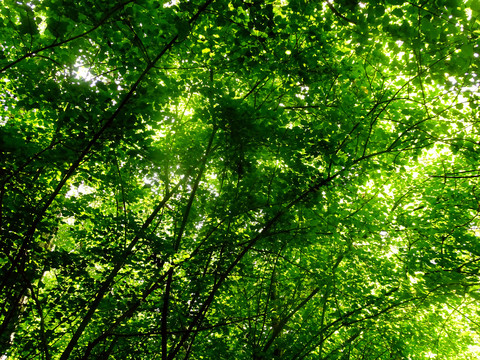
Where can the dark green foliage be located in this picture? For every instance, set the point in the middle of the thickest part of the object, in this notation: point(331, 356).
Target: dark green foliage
point(239, 179)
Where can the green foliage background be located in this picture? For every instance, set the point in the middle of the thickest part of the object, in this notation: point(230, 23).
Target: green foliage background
point(239, 179)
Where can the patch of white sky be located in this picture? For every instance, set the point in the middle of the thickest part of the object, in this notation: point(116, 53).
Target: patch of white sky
point(81, 189)
point(428, 156)
point(83, 72)
point(170, 3)
point(303, 91)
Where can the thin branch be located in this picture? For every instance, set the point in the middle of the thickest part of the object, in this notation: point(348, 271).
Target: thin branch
point(454, 176)
point(53, 45)
point(335, 11)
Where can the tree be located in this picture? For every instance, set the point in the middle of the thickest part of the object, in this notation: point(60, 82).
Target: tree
point(239, 180)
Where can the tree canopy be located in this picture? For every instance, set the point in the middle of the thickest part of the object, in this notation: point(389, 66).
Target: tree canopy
point(241, 179)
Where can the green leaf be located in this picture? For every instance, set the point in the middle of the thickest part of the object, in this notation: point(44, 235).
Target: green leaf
point(467, 51)
point(183, 29)
point(56, 27)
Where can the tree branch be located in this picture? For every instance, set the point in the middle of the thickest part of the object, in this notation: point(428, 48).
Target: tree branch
point(338, 14)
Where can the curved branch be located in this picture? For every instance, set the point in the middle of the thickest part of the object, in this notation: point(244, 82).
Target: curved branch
point(335, 11)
